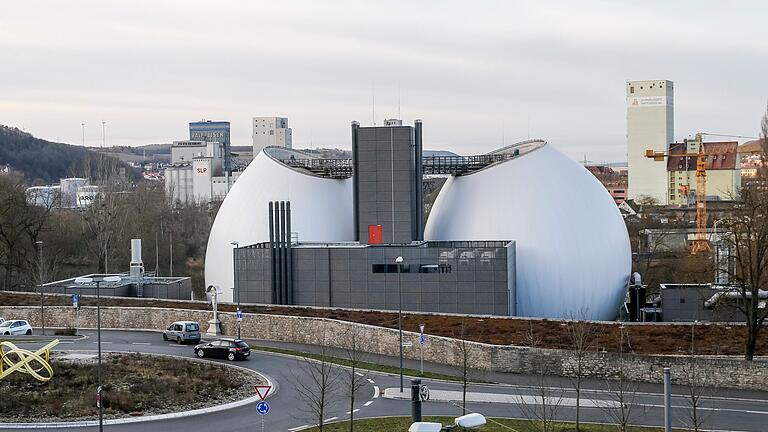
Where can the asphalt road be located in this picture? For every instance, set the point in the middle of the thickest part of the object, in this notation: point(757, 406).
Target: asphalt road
point(724, 410)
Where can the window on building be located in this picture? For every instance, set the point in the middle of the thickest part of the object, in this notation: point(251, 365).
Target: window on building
point(271, 132)
point(390, 268)
point(632, 90)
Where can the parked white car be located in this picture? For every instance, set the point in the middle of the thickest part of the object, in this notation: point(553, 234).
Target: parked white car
point(15, 327)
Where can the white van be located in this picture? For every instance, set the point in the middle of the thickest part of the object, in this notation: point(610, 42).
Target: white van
point(183, 331)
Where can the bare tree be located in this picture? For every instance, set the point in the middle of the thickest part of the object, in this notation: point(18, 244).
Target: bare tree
point(582, 337)
point(315, 387)
point(355, 348)
point(696, 416)
point(748, 239)
point(621, 392)
point(544, 403)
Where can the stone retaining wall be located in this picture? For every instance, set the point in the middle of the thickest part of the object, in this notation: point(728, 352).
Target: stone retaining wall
point(713, 372)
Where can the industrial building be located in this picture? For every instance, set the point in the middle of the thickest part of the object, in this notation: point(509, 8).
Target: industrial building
point(198, 169)
point(500, 239)
point(650, 125)
point(69, 193)
point(133, 283)
point(271, 131)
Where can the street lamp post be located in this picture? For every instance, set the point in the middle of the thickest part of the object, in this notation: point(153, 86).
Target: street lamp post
point(399, 261)
point(39, 244)
point(237, 281)
point(98, 281)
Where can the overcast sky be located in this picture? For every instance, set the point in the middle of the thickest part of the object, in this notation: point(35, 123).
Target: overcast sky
point(474, 71)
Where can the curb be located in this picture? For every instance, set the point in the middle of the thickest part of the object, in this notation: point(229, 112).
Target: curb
point(168, 416)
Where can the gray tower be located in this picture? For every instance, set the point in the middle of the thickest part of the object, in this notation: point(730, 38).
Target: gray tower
point(387, 185)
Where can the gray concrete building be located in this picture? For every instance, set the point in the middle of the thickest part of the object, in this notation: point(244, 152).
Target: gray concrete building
point(475, 277)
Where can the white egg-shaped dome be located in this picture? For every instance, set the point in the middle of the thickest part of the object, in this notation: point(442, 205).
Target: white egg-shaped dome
point(572, 248)
point(321, 210)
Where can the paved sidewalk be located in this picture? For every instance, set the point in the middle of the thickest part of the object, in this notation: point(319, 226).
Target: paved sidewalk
point(456, 396)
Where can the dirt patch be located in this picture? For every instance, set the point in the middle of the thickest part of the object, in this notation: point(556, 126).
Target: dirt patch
point(710, 338)
point(135, 385)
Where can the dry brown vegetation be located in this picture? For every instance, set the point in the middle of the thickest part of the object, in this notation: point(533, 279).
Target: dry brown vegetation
point(135, 384)
point(711, 338)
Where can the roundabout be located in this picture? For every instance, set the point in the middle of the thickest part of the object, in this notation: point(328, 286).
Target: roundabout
point(137, 387)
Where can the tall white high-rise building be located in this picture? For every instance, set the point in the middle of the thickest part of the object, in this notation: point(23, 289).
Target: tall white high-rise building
point(650, 125)
point(271, 131)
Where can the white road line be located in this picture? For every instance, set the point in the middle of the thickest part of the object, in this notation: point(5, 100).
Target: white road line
point(177, 346)
point(368, 403)
point(103, 342)
point(370, 380)
point(375, 392)
point(330, 419)
point(298, 428)
point(141, 343)
point(359, 374)
point(353, 411)
point(67, 342)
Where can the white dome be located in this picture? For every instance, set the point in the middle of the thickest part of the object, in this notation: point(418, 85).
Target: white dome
point(321, 210)
point(572, 247)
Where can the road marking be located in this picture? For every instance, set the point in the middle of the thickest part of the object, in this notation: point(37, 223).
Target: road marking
point(370, 380)
point(368, 403)
point(177, 346)
point(353, 411)
point(298, 428)
point(375, 392)
point(67, 342)
point(359, 374)
point(141, 343)
point(103, 342)
point(330, 419)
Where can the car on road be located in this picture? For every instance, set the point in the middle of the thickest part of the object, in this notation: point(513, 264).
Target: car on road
point(15, 327)
point(230, 349)
point(183, 331)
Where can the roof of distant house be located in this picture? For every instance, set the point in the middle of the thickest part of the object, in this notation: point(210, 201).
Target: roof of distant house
point(754, 146)
point(720, 156)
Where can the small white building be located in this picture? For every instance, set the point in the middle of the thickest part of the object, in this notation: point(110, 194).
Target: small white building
point(271, 131)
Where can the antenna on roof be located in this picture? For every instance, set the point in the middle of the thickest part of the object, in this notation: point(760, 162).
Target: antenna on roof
point(373, 103)
point(398, 101)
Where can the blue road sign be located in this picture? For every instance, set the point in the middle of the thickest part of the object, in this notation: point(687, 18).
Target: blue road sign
point(76, 301)
point(239, 315)
point(422, 339)
point(262, 407)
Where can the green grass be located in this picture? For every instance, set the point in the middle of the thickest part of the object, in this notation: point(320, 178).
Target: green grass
point(361, 365)
point(398, 424)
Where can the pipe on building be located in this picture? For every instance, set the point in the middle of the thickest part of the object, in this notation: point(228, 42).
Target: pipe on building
point(733, 294)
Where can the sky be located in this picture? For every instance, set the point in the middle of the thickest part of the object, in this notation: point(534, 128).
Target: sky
point(478, 73)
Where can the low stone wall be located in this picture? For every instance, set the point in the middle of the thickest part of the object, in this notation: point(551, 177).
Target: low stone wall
point(713, 372)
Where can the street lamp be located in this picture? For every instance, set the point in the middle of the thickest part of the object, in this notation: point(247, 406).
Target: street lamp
point(237, 281)
point(39, 244)
point(399, 262)
point(98, 280)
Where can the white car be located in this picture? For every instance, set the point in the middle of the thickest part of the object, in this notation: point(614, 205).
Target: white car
point(2, 320)
point(15, 327)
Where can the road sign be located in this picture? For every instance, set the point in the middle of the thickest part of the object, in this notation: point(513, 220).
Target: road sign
point(262, 390)
point(262, 407)
point(239, 315)
point(421, 328)
point(407, 344)
point(422, 339)
point(75, 301)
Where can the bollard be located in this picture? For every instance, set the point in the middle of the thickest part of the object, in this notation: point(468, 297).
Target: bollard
point(415, 400)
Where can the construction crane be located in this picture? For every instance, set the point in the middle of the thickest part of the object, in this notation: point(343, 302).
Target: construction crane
point(700, 242)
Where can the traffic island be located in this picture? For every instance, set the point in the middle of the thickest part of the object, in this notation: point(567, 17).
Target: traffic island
point(136, 386)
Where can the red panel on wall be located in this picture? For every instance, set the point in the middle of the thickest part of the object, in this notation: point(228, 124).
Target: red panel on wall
point(374, 234)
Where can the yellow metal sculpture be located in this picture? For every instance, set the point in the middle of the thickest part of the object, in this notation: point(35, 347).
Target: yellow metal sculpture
point(19, 359)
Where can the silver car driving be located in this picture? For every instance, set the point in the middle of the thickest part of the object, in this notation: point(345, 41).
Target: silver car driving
point(183, 331)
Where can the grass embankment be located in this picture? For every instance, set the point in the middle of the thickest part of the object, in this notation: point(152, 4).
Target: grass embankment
point(398, 424)
point(664, 338)
point(135, 384)
point(360, 365)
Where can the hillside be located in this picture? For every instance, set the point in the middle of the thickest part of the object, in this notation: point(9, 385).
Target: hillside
point(42, 161)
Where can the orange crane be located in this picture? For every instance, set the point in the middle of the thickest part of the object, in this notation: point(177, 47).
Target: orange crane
point(700, 241)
